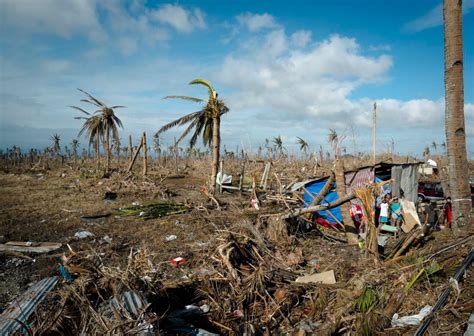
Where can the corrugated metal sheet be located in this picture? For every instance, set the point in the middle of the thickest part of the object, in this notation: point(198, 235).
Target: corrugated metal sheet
point(24, 305)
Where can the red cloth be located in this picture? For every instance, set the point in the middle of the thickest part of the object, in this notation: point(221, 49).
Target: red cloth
point(448, 212)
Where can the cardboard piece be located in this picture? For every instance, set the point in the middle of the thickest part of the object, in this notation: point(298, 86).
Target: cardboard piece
point(411, 219)
point(327, 278)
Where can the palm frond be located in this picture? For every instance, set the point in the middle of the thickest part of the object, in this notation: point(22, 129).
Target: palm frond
point(118, 106)
point(196, 100)
point(181, 121)
point(80, 109)
point(97, 101)
point(188, 129)
point(206, 83)
point(199, 127)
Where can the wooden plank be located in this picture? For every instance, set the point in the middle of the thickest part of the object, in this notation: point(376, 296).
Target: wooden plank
point(41, 248)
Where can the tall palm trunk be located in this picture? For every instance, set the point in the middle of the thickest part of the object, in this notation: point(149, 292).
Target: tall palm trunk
point(351, 232)
point(215, 151)
point(455, 129)
point(97, 150)
point(107, 148)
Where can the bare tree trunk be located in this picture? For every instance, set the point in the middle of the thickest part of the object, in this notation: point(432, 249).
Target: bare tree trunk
point(107, 149)
point(130, 147)
point(97, 150)
point(351, 232)
point(455, 129)
point(215, 153)
point(321, 155)
point(145, 154)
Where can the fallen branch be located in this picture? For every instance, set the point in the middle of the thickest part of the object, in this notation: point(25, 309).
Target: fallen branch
point(314, 208)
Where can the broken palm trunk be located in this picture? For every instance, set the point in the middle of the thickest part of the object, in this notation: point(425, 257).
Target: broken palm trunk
point(351, 232)
point(327, 187)
point(314, 208)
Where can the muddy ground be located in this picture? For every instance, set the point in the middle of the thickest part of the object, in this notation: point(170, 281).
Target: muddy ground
point(47, 206)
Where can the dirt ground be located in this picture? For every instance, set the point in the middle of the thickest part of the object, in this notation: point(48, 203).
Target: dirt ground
point(47, 207)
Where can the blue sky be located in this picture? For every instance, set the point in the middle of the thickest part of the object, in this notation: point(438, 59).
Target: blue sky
point(284, 68)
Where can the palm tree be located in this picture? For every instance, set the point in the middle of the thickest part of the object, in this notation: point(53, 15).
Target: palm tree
point(55, 147)
point(110, 122)
point(426, 153)
point(75, 146)
point(94, 129)
point(303, 146)
point(206, 121)
point(278, 144)
point(434, 145)
point(455, 127)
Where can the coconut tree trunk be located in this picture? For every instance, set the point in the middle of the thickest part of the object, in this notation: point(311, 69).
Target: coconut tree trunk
point(97, 150)
point(351, 232)
point(215, 152)
point(455, 129)
point(107, 149)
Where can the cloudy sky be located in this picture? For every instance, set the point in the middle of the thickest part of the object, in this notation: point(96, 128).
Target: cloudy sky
point(289, 68)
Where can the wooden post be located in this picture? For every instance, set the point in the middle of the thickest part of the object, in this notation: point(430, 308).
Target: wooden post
point(130, 147)
point(145, 154)
point(242, 173)
point(266, 173)
point(130, 166)
point(221, 171)
point(176, 156)
point(374, 132)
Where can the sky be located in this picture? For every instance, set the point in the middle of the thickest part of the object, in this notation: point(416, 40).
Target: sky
point(289, 68)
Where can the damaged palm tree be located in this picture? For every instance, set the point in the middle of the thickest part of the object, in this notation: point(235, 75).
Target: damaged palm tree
point(351, 231)
point(101, 124)
point(205, 121)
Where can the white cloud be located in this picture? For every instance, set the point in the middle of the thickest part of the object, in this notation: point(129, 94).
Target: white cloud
point(64, 18)
point(299, 82)
point(127, 45)
point(181, 19)
point(256, 22)
point(433, 18)
point(301, 38)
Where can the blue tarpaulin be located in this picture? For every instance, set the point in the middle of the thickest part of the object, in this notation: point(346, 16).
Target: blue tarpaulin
point(314, 189)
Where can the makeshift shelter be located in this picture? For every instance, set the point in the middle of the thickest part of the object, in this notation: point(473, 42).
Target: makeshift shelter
point(404, 184)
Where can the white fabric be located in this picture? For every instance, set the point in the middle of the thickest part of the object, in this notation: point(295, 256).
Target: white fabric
point(412, 319)
point(384, 209)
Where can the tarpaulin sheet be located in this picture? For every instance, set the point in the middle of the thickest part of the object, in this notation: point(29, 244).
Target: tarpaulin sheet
point(314, 189)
